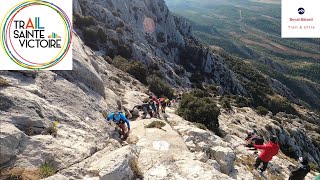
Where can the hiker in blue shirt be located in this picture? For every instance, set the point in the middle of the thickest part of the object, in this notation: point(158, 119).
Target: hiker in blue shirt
point(120, 119)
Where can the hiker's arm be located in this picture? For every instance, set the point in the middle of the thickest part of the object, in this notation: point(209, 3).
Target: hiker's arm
point(125, 120)
point(260, 146)
point(109, 117)
point(295, 169)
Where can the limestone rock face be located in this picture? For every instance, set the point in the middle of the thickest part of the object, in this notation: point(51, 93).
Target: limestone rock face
point(10, 138)
point(78, 100)
point(225, 157)
point(151, 34)
point(84, 146)
point(76, 7)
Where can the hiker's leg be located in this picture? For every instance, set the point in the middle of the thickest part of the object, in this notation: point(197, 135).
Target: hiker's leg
point(158, 110)
point(258, 162)
point(124, 130)
point(264, 167)
point(119, 129)
point(145, 112)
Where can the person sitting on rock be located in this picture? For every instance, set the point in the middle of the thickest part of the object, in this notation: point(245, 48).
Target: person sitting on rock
point(252, 138)
point(268, 151)
point(302, 169)
point(146, 108)
point(120, 119)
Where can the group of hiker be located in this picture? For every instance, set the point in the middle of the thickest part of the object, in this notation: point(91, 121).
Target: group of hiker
point(152, 106)
point(270, 149)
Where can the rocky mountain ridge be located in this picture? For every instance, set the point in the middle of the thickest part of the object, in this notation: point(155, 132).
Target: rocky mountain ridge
point(146, 31)
point(154, 36)
point(86, 147)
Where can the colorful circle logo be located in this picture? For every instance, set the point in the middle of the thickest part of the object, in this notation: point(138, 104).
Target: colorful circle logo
point(36, 34)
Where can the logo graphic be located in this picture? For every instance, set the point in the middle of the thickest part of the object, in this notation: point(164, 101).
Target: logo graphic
point(301, 11)
point(36, 35)
point(300, 19)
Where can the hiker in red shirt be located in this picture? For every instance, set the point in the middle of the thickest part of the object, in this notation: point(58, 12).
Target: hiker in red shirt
point(157, 103)
point(268, 151)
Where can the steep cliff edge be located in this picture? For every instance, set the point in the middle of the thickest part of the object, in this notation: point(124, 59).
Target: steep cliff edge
point(148, 32)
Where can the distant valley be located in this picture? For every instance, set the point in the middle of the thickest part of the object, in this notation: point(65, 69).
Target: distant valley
point(251, 31)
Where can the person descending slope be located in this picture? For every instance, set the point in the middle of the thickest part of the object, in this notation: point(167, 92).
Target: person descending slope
point(120, 119)
point(301, 170)
point(268, 151)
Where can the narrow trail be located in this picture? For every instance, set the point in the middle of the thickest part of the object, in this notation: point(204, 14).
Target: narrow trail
point(164, 154)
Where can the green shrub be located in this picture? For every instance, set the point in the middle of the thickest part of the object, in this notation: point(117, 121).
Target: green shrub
point(159, 87)
point(121, 49)
point(84, 21)
point(201, 110)
point(115, 14)
point(280, 104)
point(314, 167)
point(200, 93)
point(262, 110)
point(121, 24)
point(52, 129)
point(124, 50)
point(170, 73)
point(108, 59)
point(212, 89)
point(156, 124)
point(47, 170)
point(115, 79)
point(101, 35)
point(201, 126)
point(16, 173)
point(135, 68)
point(242, 101)
point(3, 82)
point(226, 104)
point(119, 31)
point(91, 37)
point(90, 34)
point(179, 70)
point(136, 169)
point(161, 37)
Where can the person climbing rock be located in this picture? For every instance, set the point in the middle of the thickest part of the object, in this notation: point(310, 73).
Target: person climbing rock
point(155, 106)
point(163, 104)
point(146, 108)
point(268, 151)
point(120, 119)
point(302, 169)
point(253, 138)
point(168, 102)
